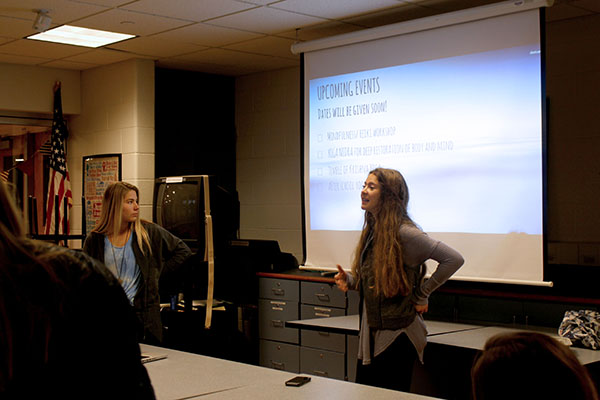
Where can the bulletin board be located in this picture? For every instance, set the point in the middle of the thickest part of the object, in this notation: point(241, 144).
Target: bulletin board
point(99, 171)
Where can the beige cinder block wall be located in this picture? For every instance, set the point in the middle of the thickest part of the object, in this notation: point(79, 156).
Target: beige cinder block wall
point(117, 116)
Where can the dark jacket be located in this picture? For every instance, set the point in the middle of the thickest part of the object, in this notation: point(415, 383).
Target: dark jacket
point(168, 253)
point(76, 307)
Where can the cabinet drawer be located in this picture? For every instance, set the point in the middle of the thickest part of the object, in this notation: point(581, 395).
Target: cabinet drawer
point(309, 311)
point(322, 294)
point(318, 339)
point(272, 315)
point(285, 357)
point(322, 363)
point(269, 288)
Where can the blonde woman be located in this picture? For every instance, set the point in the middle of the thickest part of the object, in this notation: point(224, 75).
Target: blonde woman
point(387, 272)
point(137, 252)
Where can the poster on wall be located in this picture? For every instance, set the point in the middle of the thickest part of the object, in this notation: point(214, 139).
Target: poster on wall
point(99, 171)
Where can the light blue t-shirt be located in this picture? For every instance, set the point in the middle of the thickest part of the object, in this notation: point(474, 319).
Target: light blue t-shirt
point(121, 262)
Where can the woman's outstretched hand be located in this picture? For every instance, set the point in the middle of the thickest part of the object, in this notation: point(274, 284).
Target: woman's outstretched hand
point(341, 279)
point(422, 309)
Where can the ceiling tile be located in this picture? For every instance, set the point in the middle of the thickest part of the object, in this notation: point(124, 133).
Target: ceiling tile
point(313, 32)
point(232, 70)
point(399, 14)
point(66, 64)
point(25, 47)
point(61, 11)
point(105, 3)
point(191, 10)
point(15, 28)
point(441, 6)
point(21, 60)
point(236, 37)
point(235, 58)
point(207, 35)
point(259, 2)
point(268, 45)
point(564, 11)
point(123, 21)
point(590, 5)
point(265, 20)
point(334, 9)
point(156, 47)
point(101, 57)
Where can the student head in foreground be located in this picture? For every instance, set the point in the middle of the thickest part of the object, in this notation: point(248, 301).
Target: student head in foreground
point(137, 252)
point(66, 328)
point(388, 272)
point(529, 365)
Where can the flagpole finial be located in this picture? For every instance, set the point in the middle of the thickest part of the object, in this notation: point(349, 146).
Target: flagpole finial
point(56, 85)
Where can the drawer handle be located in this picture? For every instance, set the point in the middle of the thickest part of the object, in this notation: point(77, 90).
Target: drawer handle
point(323, 309)
point(278, 292)
point(277, 308)
point(318, 314)
point(323, 333)
point(277, 323)
point(277, 365)
point(321, 373)
point(323, 296)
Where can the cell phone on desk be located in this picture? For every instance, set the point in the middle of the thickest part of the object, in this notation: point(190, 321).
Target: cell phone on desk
point(298, 381)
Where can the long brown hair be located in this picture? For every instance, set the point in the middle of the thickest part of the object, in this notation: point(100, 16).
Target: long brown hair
point(111, 214)
point(29, 301)
point(384, 226)
point(527, 365)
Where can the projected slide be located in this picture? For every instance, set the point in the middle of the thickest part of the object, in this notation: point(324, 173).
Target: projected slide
point(463, 130)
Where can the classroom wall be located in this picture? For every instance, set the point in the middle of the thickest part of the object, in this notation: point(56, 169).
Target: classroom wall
point(110, 110)
point(267, 118)
point(268, 164)
point(573, 76)
point(27, 88)
point(195, 130)
point(117, 116)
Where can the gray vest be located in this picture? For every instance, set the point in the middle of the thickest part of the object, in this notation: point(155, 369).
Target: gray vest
point(387, 312)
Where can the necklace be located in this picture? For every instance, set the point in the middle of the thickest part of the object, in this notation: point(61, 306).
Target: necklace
point(119, 268)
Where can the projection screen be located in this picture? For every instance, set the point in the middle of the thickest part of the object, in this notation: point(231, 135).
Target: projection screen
point(456, 104)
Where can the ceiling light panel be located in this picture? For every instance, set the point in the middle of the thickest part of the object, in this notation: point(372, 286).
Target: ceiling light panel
point(78, 36)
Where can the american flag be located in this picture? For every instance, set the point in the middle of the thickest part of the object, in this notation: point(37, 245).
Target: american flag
point(4, 175)
point(59, 175)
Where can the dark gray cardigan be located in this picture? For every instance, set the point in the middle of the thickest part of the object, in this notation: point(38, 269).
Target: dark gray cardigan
point(168, 253)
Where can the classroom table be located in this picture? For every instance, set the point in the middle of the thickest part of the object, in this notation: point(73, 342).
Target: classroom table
point(450, 352)
point(346, 324)
point(186, 376)
point(444, 333)
point(475, 339)
point(449, 358)
point(349, 325)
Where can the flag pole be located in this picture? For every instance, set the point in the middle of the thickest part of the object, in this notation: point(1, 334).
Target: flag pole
point(30, 213)
point(83, 221)
point(56, 217)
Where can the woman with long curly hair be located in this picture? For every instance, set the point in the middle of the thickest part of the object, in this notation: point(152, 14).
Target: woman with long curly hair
point(388, 271)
